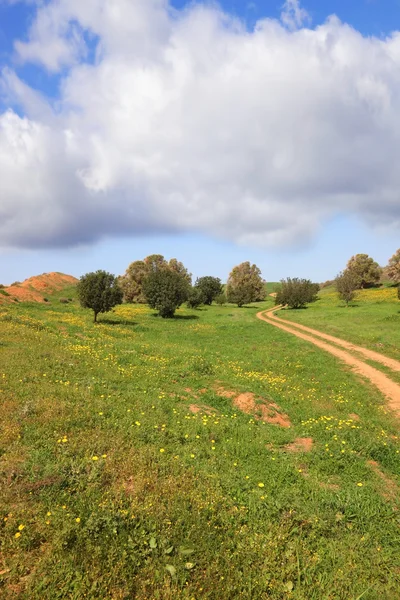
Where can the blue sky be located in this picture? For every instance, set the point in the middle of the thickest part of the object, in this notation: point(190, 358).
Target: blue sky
point(341, 221)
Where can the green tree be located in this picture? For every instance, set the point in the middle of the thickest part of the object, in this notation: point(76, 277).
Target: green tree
point(211, 287)
point(245, 285)
point(296, 293)
point(346, 284)
point(165, 290)
point(393, 269)
point(133, 280)
point(366, 271)
point(99, 291)
point(221, 299)
point(195, 297)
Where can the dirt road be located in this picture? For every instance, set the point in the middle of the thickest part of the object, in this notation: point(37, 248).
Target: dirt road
point(334, 345)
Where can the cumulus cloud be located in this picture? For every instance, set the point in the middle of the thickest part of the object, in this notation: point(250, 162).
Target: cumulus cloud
point(185, 121)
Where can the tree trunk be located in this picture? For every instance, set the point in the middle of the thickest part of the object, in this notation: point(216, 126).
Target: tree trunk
point(95, 317)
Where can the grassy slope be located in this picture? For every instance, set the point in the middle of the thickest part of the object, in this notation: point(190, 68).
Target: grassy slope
point(121, 492)
point(372, 320)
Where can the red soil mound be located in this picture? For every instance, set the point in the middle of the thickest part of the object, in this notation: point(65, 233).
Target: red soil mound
point(35, 289)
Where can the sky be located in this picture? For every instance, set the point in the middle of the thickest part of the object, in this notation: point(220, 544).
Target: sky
point(215, 133)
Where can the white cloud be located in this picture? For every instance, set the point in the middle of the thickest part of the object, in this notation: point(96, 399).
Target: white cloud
point(294, 15)
point(185, 121)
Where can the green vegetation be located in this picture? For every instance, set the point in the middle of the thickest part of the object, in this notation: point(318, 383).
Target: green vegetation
point(166, 290)
point(195, 298)
point(373, 320)
point(393, 269)
point(211, 287)
point(346, 284)
point(99, 291)
point(132, 283)
point(127, 471)
point(245, 285)
point(365, 270)
point(296, 293)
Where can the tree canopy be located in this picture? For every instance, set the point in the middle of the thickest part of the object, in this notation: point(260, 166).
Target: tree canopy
point(99, 291)
point(245, 284)
point(366, 271)
point(296, 293)
point(165, 290)
point(211, 287)
point(346, 284)
point(133, 280)
point(393, 269)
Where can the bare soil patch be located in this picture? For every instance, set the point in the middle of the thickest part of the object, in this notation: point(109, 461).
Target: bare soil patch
point(202, 408)
point(260, 409)
point(300, 445)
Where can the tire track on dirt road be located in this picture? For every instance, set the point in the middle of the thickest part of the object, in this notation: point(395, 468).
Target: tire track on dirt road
point(388, 388)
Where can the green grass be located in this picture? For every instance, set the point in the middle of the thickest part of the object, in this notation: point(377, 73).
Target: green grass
point(122, 492)
point(372, 320)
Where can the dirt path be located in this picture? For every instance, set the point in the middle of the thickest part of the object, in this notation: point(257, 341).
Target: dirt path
point(391, 363)
point(389, 388)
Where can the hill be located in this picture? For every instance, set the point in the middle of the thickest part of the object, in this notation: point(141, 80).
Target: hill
point(37, 289)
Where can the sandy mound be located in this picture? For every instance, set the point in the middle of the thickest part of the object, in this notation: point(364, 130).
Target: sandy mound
point(259, 408)
point(36, 289)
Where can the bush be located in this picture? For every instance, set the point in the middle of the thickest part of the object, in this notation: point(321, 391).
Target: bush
point(296, 293)
point(196, 298)
point(166, 290)
point(346, 285)
point(245, 285)
point(99, 291)
point(366, 271)
point(221, 299)
point(211, 287)
point(4, 292)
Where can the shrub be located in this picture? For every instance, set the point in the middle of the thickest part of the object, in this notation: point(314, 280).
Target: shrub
point(296, 293)
point(221, 299)
point(346, 285)
point(4, 292)
point(133, 281)
point(196, 298)
point(99, 291)
point(166, 290)
point(245, 285)
point(366, 271)
point(211, 287)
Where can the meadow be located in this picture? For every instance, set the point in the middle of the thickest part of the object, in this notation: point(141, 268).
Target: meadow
point(371, 320)
point(208, 456)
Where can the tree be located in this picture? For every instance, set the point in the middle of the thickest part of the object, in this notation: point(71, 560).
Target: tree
point(393, 269)
point(211, 287)
point(245, 285)
point(346, 285)
point(221, 299)
point(99, 291)
point(366, 271)
point(296, 293)
point(165, 290)
point(195, 298)
point(133, 280)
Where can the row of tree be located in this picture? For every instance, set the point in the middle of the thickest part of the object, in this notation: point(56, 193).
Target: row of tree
point(166, 285)
point(363, 272)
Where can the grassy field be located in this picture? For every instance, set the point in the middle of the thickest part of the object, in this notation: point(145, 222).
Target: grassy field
point(127, 470)
point(371, 320)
